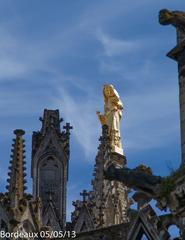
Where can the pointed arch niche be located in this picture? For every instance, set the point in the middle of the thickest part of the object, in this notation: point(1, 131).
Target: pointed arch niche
point(50, 175)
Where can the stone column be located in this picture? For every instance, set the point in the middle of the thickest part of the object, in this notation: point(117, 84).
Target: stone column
point(181, 68)
point(177, 19)
point(178, 54)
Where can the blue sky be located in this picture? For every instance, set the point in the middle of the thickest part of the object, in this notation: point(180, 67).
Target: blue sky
point(58, 54)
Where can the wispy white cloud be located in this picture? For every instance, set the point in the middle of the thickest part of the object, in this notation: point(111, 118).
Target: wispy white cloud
point(21, 57)
point(116, 47)
point(82, 115)
point(22, 60)
point(127, 71)
point(149, 112)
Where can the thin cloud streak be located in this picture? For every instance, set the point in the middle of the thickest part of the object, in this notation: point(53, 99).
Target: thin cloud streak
point(82, 115)
point(142, 118)
point(28, 61)
point(113, 47)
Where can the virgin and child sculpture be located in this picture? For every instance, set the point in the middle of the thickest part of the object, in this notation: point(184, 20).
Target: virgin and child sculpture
point(113, 108)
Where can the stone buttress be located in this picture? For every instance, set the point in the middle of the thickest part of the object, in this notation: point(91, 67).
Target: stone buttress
point(107, 203)
point(111, 200)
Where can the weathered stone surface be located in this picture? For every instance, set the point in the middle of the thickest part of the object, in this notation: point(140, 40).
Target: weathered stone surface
point(108, 203)
point(177, 19)
point(134, 178)
point(145, 222)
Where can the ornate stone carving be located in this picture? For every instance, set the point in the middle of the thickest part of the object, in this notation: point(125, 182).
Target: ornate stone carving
point(50, 157)
point(137, 179)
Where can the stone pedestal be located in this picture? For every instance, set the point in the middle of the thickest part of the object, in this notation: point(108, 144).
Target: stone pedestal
point(117, 150)
point(116, 159)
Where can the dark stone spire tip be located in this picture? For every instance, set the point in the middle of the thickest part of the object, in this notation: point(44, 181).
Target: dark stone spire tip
point(19, 132)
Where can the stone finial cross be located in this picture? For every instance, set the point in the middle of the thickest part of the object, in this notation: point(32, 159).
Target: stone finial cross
point(84, 194)
point(67, 127)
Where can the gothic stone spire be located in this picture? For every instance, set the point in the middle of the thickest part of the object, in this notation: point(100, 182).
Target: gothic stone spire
point(50, 159)
point(50, 120)
point(17, 168)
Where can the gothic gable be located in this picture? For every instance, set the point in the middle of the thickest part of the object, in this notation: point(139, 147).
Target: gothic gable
point(84, 221)
point(50, 145)
point(50, 217)
point(142, 229)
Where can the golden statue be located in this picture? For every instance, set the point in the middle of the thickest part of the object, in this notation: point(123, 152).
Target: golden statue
point(113, 108)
